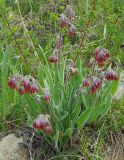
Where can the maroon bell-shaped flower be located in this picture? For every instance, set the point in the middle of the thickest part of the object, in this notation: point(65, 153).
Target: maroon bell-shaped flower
point(96, 84)
point(101, 55)
point(64, 22)
point(111, 75)
point(86, 83)
point(33, 89)
point(41, 122)
point(53, 59)
point(72, 31)
point(14, 81)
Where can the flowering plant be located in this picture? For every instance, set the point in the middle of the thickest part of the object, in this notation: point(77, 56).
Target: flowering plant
point(66, 96)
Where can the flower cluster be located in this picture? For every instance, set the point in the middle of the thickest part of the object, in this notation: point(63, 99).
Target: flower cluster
point(94, 83)
point(66, 21)
point(23, 85)
point(42, 123)
point(101, 55)
point(111, 75)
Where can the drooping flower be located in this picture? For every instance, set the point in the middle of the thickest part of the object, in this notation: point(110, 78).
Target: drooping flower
point(72, 31)
point(26, 83)
point(101, 55)
point(111, 75)
point(96, 84)
point(53, 59)
point(14, 81)
point(64, 22)
point(34, 89)
point(41, 122)
point(86, 83)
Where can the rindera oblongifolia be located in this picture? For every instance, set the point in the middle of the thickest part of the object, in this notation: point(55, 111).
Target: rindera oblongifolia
point(101, 55)
point(42, 123)
point(23, 85)
point(99, 74)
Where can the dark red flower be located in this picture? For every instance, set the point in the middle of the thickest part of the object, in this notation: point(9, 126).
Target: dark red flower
point(14, 81)
point(41, 122)
point(101, 55)
point(96, 84)
point(21, 90)
point(72, 31)
point(111, 75)
point(86, 83)
point(26, 83)
point(64, 22)
point(53, 59)
point(34, 88)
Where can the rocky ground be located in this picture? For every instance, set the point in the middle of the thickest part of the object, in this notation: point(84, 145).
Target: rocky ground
point(10, 149)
